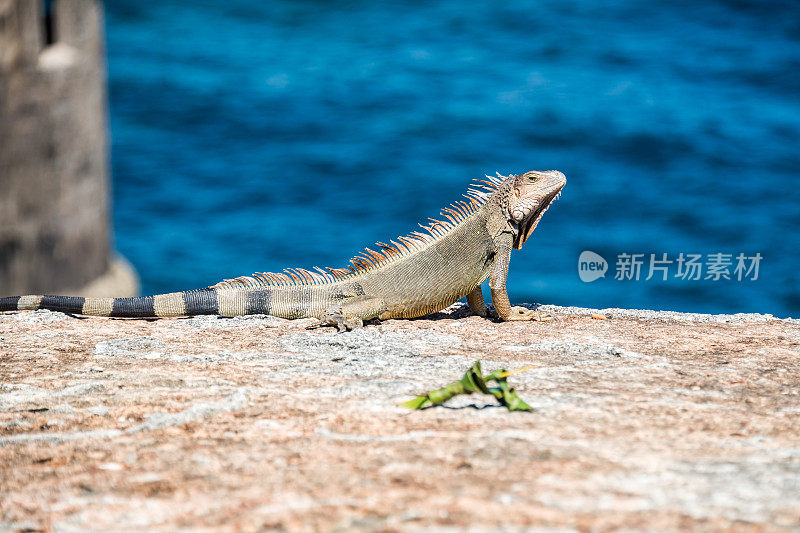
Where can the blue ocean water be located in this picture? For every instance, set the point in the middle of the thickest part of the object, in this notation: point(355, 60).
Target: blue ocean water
point(252, 136)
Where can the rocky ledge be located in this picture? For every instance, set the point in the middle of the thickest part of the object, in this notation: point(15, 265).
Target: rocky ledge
point(642, 421)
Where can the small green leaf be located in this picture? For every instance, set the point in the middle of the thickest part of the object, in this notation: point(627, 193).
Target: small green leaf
point(472, 382)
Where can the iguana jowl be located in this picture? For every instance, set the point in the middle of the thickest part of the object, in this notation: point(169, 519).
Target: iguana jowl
point(413, 276)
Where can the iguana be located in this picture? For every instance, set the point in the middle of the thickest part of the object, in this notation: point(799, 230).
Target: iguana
point(412, 276)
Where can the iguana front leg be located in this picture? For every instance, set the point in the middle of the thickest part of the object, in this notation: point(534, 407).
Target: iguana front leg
point(497, 284)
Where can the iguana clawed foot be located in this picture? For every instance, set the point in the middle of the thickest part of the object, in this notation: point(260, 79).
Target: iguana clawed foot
point(348, 315)
point(341, 322)
point(522, 313)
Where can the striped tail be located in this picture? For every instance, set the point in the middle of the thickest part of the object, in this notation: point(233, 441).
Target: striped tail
point(187, 303)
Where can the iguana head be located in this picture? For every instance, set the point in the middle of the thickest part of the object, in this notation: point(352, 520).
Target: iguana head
point(532, 194)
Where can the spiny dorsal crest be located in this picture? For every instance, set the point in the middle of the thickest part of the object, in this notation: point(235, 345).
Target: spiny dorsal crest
point(369, 259)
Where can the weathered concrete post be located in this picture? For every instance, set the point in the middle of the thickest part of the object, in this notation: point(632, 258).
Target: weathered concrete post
point(54, 188)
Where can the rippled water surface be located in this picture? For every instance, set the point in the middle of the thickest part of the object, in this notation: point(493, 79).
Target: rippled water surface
point(252, 136)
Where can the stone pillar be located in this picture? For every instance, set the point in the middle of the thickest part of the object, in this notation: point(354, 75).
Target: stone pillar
point(55, 232)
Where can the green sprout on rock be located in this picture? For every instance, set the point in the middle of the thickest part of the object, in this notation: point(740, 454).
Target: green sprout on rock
point(472, 382)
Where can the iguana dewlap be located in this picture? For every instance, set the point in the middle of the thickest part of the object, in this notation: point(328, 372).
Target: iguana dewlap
point(413, 276)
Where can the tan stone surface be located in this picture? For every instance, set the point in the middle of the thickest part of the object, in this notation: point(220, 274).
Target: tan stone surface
point(643, 421)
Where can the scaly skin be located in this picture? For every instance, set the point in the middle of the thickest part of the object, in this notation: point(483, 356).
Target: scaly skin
point(415, 276)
